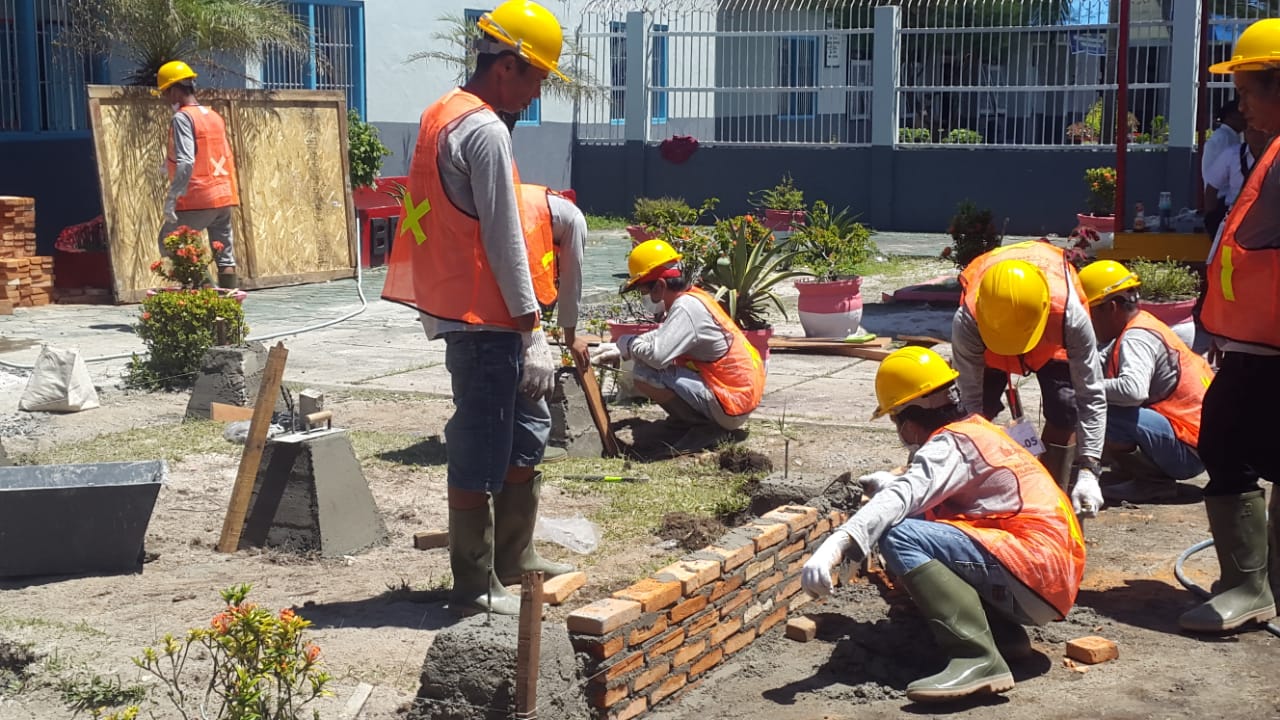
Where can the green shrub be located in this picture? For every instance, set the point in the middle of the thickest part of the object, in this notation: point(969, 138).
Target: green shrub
point(1101, 182)
point(364, 150)
point(973, 232)
point(1165, 280)
point(963, 136)
point(832, 245)
point(748, 266)
point(177, 326)
point(669, 212)
point(914, 135)
point(783, 196)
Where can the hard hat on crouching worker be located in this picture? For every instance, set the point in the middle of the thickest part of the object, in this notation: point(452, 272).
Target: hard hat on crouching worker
point(1257, 49)
point(174, 71)
point(651, 260)
point(1103, 279)
point(1012, 307)
point(525, 28)
point(910, 374)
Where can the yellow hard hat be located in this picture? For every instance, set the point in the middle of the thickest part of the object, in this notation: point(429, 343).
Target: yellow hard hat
point(1012, 307)
point(172, 72)
point(908, 374)
point(647, 257)
point(529, 29)
point(1105, 278)
point(1258, 48)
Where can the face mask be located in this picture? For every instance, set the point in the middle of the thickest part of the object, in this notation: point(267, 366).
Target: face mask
point(652, 308)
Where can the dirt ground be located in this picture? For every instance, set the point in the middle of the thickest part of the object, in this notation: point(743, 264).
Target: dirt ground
point(376, 612)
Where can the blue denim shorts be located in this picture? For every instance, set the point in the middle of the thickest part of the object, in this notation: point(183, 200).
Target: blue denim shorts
point(494, 426)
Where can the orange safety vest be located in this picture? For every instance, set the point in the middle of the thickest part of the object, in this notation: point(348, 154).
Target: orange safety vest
point(1182, 406)
point(438, 263)
point(1041, 544)
point(737, 377)
point(1058, 271)
point(213, 174)
point(1240, 303)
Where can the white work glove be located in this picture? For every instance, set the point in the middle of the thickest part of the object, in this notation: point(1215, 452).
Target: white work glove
point(538, 377)
point(876, 481)
point(815, 577)
point(605, 353)
point(170, 211)
point(1086, 496)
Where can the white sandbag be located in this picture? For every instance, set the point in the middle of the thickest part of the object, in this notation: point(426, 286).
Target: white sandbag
point(60, 382)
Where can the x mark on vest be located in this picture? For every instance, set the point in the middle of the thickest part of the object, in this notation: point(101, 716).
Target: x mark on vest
point(220, 166)
point(413, 217)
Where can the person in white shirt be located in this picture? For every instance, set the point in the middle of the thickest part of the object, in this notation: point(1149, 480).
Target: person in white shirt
point(1226, 177)
point(1225, 140)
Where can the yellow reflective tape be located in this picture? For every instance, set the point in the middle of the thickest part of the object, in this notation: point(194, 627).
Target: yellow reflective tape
point(1207, 380)
point(549, 258)
point(1228, 292)
point(413, 217)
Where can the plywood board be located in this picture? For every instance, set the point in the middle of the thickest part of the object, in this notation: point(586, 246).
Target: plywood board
point(296, 221)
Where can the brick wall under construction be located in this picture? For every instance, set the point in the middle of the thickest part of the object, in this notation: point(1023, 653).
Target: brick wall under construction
point(657, 639)
point(25, 278)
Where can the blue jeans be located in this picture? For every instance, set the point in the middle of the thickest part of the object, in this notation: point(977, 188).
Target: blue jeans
point(1153, 434)
point(914, 542)
point(494, 425)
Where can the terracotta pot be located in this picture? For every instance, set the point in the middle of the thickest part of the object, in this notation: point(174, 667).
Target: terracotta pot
point(618, 328)
point(237, 295)
point(1101, 223)
point(830, 308)
point(783, 220)
point(759, 339)
point(639, 234)
point(81, 269)
point(1171, 313)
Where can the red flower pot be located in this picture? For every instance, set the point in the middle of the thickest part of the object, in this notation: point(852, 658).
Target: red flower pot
point(1101, 223)
point(759, 340)
point(783, 220)
point(618, 328)
point(639, 234)
point(830, 309)
point(81, 269)
point(1173, 312)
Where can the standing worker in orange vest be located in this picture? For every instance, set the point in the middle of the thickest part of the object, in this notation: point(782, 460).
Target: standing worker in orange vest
point(477, 272)
point(1154, 384)
point(1022, 311)
point(975, 529)
point(1242, 311)
point(698, 365)
point(202, 171)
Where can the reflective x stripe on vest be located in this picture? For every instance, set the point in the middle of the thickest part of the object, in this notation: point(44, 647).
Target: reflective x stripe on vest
point(1057, 271)
point(213, 173)
point(1041, 544)
point(737, 378)
point(1182, 406)
point(438, 262)
point(1240, 302)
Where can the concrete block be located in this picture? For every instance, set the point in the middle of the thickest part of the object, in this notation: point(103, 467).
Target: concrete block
point(801, 629)
point(571, 425)
point(433, 539)
point(559, 588)
point(652, 594)
point(228, 375)
point(603, 616)
point(311, 496)
point(1092, 650)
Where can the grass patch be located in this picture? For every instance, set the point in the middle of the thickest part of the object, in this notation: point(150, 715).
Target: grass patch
point(158, 442)
point(606, 222)
point(895, 266)
point(82, 628)
point(88, 692)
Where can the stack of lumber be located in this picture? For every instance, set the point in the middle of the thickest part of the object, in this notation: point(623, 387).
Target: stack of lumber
point(26, 279)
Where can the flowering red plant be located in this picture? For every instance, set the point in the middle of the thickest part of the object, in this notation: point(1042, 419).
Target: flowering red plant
point(188, 258)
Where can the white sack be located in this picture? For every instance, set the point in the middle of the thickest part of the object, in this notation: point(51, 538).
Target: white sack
point(60, 382)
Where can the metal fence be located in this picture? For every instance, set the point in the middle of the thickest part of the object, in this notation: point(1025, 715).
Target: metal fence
point(335, 56)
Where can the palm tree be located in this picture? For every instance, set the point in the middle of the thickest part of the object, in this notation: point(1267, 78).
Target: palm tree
point(153, 32)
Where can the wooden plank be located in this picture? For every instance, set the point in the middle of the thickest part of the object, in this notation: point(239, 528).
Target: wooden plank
point(356, 702)
point(222, 412)
point(272, 375)
point(867, 352)
point(529, 646)
point(924, 341)
point(599, 413)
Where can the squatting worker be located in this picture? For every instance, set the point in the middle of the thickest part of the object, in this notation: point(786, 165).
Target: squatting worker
point(698, 365)
point(1022, 311)
point(1242, 312)
point(202, 171)
point(975, 529)
point(1155, 386)
point(477, 273)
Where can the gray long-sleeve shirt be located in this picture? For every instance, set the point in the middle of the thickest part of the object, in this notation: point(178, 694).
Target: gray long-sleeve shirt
point(569, 231)
point(1082, 357)
point(1148, 369)
point(688, 329)
point(184, 154)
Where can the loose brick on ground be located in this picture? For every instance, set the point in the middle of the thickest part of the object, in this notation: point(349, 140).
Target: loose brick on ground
point(431, 540)
point(1092, 650)
point(561, 587)
point(801, 629)
point(651, 594)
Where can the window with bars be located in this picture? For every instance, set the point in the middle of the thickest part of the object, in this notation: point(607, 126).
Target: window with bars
point(658, 62)
point(42, 83)
point(798, 68)
point(531, 115)
point(335, 56)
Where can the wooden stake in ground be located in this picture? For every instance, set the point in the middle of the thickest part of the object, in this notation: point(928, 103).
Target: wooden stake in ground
point(529, 646)
point(599, 413)
point(272, 375)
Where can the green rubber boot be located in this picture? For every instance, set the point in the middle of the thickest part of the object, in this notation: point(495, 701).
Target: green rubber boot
point(1010, 637)
point(515, 512)
point(1058, 460)
point(228, 280)
point(475, 586)
point(959, 624)
point(1239, 527)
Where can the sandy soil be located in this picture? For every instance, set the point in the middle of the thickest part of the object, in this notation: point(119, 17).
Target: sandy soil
point(375, 616)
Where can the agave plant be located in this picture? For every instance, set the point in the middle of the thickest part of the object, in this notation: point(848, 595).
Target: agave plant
point(750, 265)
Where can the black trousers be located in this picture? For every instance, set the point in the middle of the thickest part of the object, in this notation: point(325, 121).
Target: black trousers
point(1056, 391)
point(1239, 424)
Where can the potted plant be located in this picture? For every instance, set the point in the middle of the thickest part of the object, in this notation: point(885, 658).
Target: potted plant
point(654, 217)
point(80, 256)
point(187, 263)
point(783, 205)
point(1101, 182)
point(973, 233)
point(831, 246)
point(1169, 289)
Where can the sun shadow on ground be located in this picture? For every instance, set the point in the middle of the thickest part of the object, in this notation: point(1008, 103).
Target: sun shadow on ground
point(420, 610)
point(1149, 604)
point(428, 451)
point(647, 440)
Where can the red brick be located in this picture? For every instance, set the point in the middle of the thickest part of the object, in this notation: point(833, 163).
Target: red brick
point(769, 582)
point(559, 588)
point(624, 666)
point(650, 676)
point(604, 697)
point(755, 611)
point(797, 517)
point(724, 630)
point(735, 602)
point(602, 649)
point(761, 566)
point(799, 601)
point(766, 535)
point(603, 616)
point(666, 643)
point(796, 566)
point(837, 517)
point(773, 618)
point(731, 558)
point(795, 547)
point(739, 641)
point(801, 629)
point(726, 586)
point(701, 623)
point(688, 652)
point(691, 574)
point(635, 708)
point(706, 662)
point(1092, 650)
point(687, 608)
point(640, 634)
point(789, 589)
point(672, 684)
point(652, 594)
